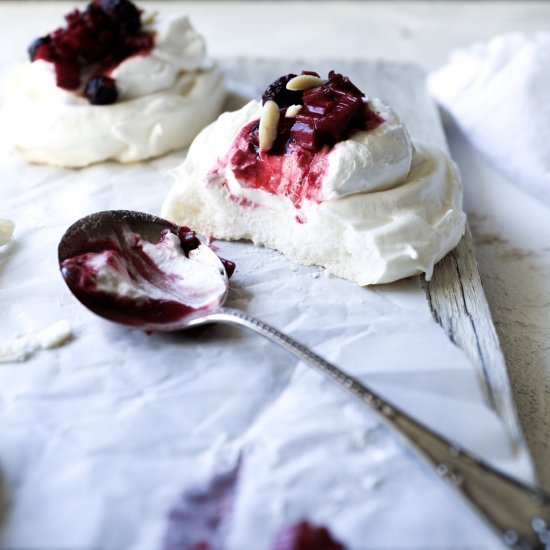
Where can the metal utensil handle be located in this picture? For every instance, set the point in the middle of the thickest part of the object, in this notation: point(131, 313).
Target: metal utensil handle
point(519, 513)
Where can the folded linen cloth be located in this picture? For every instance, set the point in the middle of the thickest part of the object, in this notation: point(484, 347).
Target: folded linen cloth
point(497, 92)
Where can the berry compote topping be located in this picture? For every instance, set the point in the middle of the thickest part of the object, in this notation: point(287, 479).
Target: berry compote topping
point(330, 113)
point(189, 241)
point(287, 169)
point(93, 42)
point(304, 536)
point(297, 160)
point(277, 92)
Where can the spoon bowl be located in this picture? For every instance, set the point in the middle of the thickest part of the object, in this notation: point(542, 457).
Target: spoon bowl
point(109, 224)
point(518, 513)
point(142, 271)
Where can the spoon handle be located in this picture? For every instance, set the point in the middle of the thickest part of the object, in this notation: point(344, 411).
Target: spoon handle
point(519, 513)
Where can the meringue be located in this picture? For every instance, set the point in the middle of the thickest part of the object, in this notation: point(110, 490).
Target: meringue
point(387, 209)
point(166, 98)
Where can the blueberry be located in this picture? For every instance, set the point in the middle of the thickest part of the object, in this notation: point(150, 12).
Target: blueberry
point(101, 90)
point(278, 93)
point(124, 13)
point(43, 40)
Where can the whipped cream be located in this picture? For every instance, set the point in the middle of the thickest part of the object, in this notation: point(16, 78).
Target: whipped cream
point(388, 209)
point(166, 98)
point(6, 231)
point(149, 284)
point(178, 49)
point(196, 278)
point(369, 161)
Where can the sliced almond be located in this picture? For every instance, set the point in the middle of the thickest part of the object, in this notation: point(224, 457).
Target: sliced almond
point(149, 18)
point(269, 120)
point(292, 111)
point(304, 82)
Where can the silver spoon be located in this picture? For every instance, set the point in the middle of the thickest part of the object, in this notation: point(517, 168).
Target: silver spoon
point(518, 513)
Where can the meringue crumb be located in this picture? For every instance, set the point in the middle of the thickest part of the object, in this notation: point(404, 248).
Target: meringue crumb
point(55, 335)
point(23, 347)
point(6, 231)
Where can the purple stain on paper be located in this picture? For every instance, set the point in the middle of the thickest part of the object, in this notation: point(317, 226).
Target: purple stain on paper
point(200, 520)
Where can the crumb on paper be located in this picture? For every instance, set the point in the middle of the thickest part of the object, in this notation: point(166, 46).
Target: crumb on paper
point(6, 231)
point(21, 348)
point(55, 335)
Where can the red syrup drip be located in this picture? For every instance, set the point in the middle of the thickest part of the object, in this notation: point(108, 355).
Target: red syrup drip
point(296, 173)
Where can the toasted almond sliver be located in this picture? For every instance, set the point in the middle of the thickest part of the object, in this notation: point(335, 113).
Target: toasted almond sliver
point(292, 111)
point(149, 18)
point(269, 120)
point(304, 82)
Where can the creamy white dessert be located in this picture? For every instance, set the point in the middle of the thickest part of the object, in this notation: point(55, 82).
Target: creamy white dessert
point(371, 208)
point(166, 95)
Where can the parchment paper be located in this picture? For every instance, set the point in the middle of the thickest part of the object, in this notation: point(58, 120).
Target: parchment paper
point(101, 435)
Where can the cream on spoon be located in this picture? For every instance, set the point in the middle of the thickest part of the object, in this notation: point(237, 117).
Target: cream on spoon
point(142, 271)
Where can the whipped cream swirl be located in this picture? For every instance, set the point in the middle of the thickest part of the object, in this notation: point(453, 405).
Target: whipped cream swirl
point(178, 49)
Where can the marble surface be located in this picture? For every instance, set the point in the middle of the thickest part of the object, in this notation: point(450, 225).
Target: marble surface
point(510, 228)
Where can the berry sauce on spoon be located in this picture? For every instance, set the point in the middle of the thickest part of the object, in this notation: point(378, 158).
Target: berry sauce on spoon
point(142, 271)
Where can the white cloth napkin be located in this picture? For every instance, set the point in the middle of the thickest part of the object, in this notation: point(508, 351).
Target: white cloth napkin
point(497, 93)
